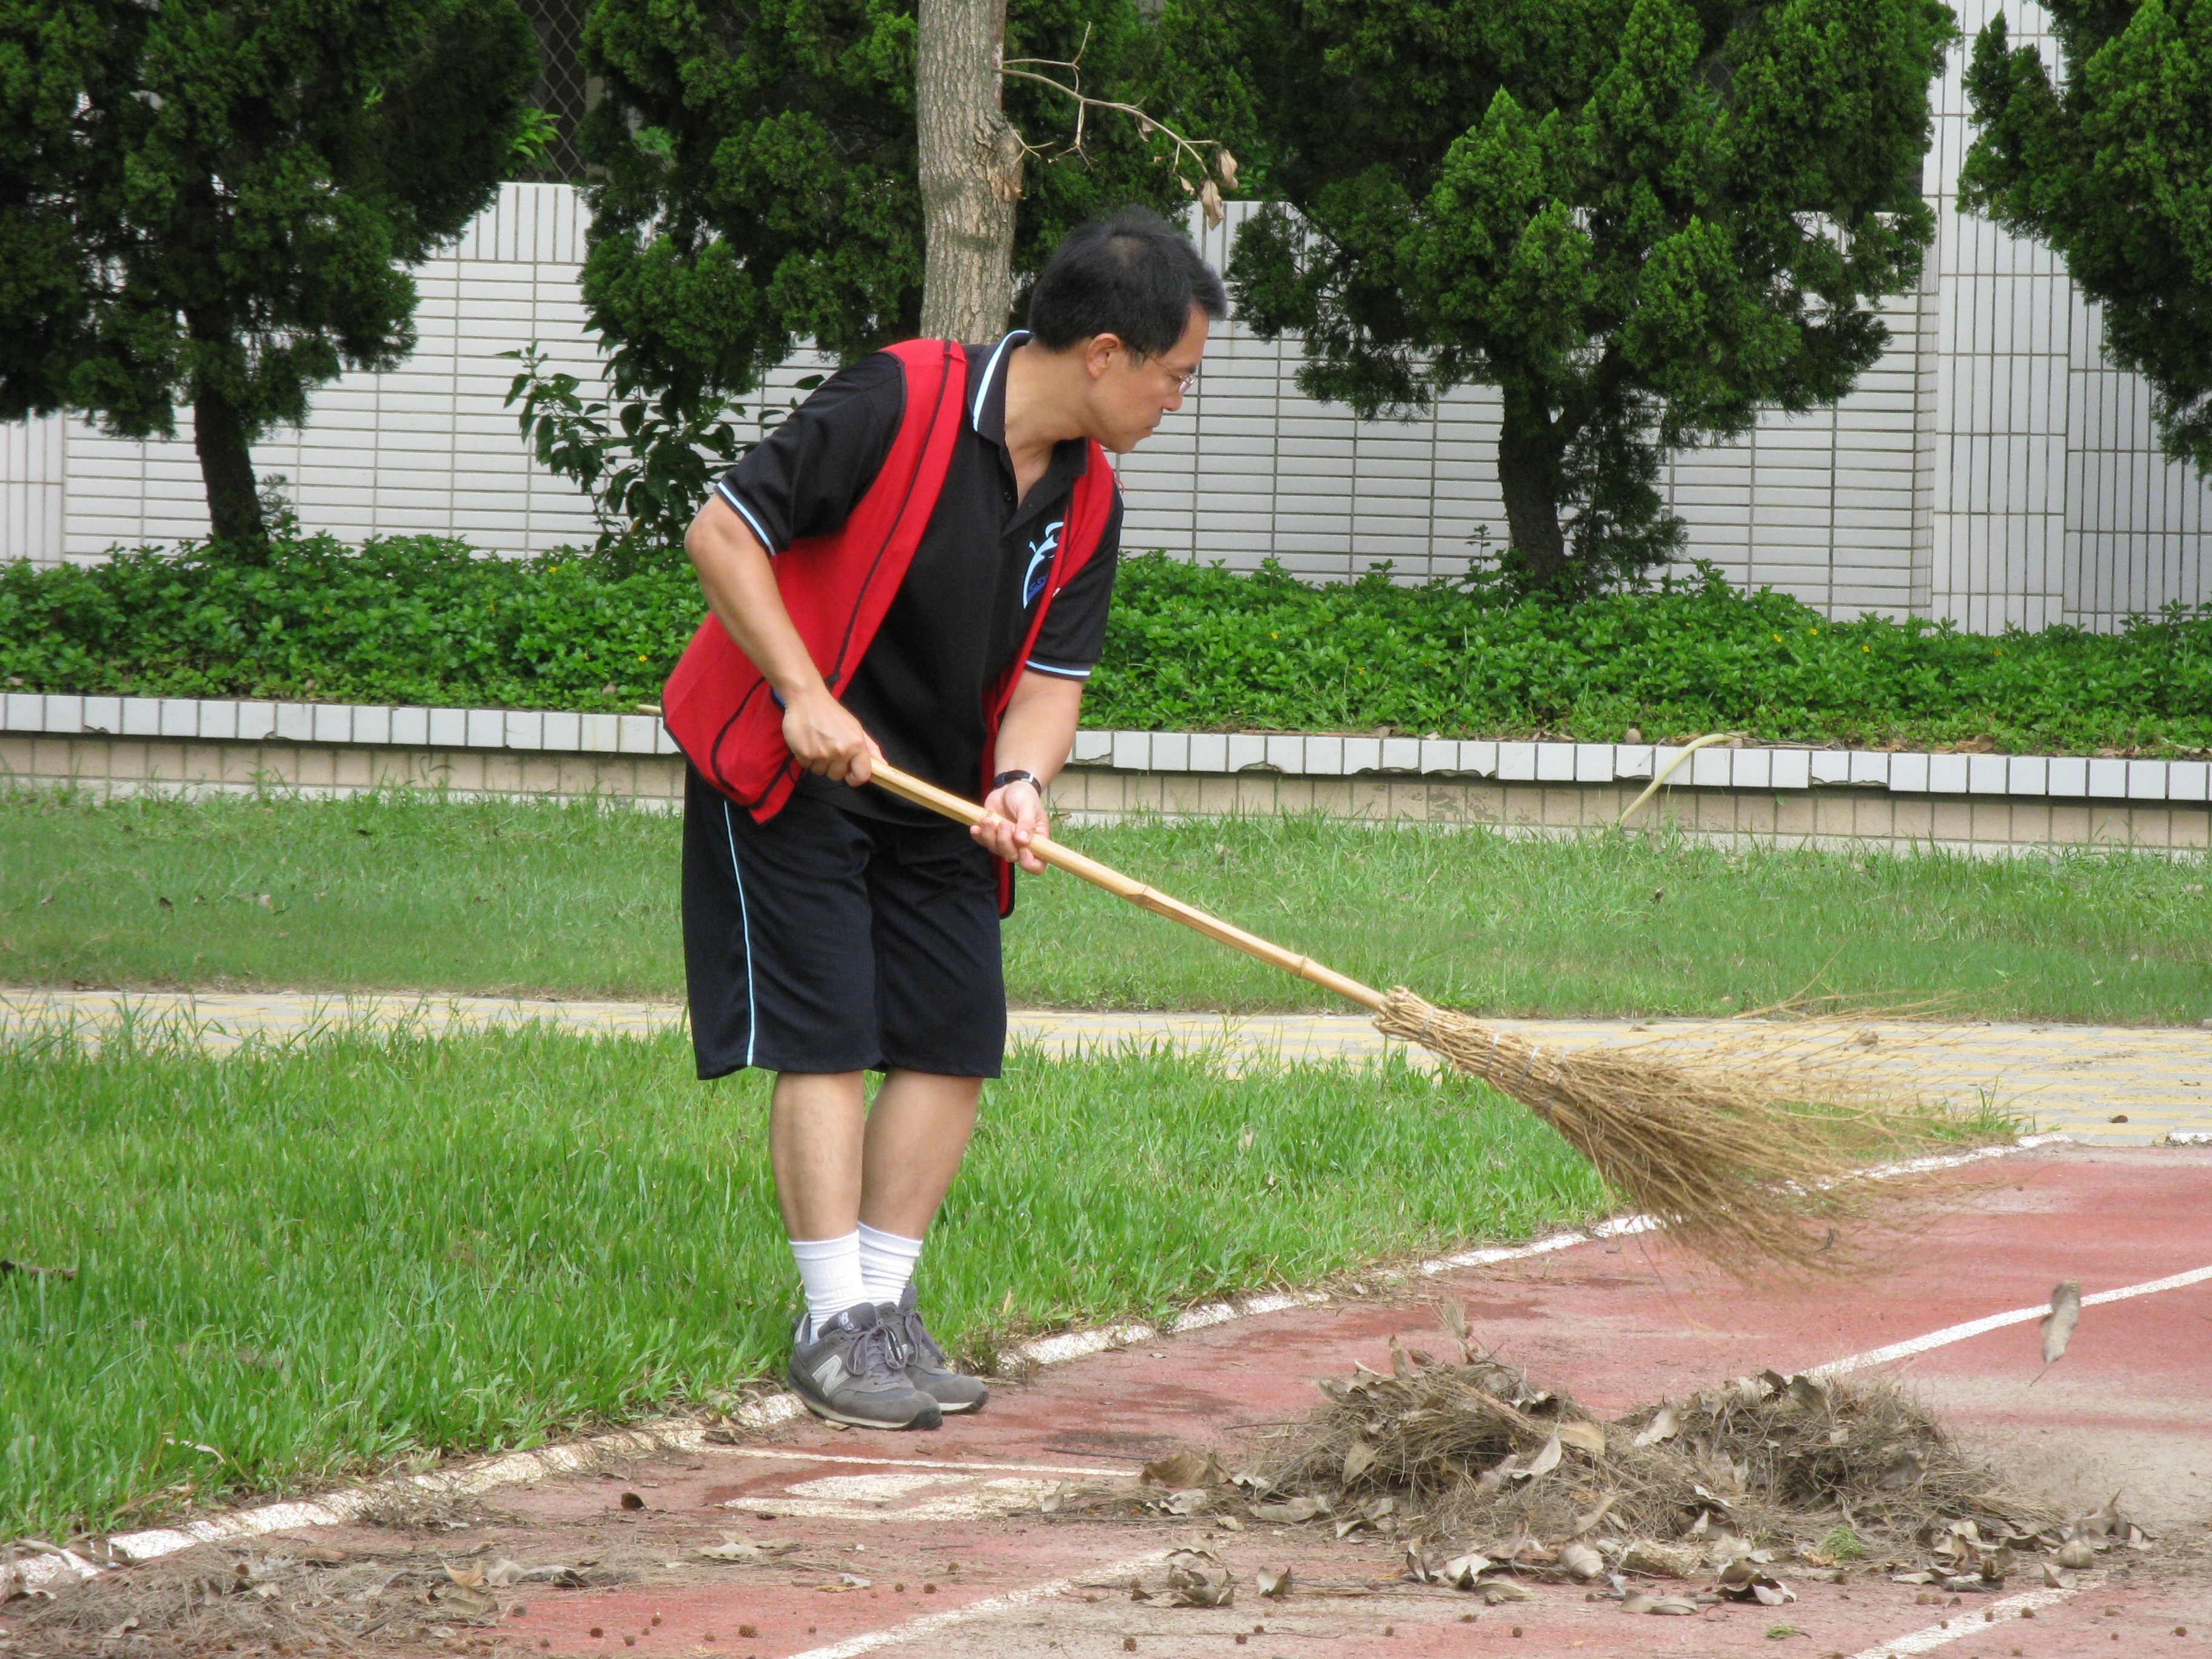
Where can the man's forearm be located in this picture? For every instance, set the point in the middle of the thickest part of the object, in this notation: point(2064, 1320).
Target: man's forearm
point(739, 583)
point(1038, 730)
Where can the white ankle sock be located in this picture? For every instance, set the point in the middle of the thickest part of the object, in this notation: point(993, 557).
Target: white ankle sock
point(886, 1262)
point(829, 1269)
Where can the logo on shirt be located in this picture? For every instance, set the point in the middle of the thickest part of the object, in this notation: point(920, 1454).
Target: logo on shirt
point(1040, 570)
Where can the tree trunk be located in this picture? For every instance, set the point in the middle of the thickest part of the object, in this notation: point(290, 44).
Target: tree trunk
point(1529, 447)
point(226, 469)
point(971, 170)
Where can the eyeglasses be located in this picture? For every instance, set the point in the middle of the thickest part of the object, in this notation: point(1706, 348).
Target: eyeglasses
point(1183, 383)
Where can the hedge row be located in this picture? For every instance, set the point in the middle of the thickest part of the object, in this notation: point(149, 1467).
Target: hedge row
point(424, 620)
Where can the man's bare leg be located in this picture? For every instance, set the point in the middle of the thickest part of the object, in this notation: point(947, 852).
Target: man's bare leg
point(815, 1123)
point(843, 1366)
point(917, 1133)
point(838, 1164)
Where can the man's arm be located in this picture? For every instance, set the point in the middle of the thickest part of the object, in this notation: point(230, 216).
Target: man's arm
point(739, 583)
point(1036, 736)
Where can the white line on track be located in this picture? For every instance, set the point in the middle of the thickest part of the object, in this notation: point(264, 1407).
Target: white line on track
point(989, 1607)
point(519, 1468)
point(1959, 1629)
point(1950, 1334)
point(775, 1454)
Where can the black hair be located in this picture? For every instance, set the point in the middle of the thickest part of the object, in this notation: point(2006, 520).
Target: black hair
point(1133, 275)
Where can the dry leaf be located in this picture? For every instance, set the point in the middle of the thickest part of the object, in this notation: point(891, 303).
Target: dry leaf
point(2076, 1555)
point(1196, 1578)
point(1184, 1469)
point(1291, 1511)
point(1191, 1500)
point(1583, 1436)
point(1585, 1522)
point(1209, 199)
point(2098, 1523)
point(1666, 1423)
point(1581, 1560)
point(1273, 1584)
point(1495, 1591)
point(1807, 1395)
point(1671, 1606)
point(2059, 1324)
point(470, 1601)
point(732, 1548)
point(1745, 1581)
point(1227, 164)
point(1545, 1460)
point(1358, 1458)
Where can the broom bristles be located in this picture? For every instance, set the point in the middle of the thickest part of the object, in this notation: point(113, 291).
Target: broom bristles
point(1746, 1157)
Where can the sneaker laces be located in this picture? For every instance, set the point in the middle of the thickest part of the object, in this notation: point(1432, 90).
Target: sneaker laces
point(876, 1352)
point(914, 1338)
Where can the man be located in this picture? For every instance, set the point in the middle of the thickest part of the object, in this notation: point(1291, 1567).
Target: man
point(841, 930)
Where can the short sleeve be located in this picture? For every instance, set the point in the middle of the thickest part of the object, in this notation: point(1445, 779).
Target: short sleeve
point(806, 477)
point(1074, 632)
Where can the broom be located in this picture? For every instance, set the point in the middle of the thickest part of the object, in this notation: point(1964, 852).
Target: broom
point(1745, 1154)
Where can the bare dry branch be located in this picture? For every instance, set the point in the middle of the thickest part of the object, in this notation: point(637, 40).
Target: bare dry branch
point(1194, 149)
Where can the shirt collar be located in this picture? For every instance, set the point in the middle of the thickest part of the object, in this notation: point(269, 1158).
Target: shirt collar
point(986, 411)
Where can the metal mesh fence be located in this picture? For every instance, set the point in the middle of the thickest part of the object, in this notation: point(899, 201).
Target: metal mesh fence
point(564, 92)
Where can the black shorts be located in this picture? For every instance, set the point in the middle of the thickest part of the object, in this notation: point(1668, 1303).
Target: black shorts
point(825, 941)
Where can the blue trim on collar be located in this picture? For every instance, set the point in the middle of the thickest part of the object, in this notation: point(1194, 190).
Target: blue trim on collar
point(991, 371)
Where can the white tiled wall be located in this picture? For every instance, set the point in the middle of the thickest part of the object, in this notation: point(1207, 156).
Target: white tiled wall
point(1990, 469)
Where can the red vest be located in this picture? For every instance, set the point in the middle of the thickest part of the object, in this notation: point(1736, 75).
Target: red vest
point(718, 707)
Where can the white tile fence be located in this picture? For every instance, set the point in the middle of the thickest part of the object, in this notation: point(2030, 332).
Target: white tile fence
point(1784, 769)
point(1992, 468)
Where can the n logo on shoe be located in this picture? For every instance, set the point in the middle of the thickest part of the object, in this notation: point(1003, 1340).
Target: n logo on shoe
point(829, 1373)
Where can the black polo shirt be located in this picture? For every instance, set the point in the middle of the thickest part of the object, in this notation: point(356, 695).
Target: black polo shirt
point(959, 618)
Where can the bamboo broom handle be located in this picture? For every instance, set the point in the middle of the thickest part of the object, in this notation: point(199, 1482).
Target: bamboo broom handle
point(912, 788)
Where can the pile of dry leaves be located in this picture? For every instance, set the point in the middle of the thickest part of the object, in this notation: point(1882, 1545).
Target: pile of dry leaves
point(1483, 1480)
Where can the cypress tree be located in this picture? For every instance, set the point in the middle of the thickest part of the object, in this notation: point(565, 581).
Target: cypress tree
point(2110, 164)
point(1641, 220)
point(214, 203)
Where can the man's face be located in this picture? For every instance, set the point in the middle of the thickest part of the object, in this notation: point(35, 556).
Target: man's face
point(1132, 394)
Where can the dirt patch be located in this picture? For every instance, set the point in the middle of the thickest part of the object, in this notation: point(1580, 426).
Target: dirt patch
point(286, 1596)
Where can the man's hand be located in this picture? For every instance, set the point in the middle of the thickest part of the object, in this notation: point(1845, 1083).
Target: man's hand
point(1017, 819)
point(827, 740)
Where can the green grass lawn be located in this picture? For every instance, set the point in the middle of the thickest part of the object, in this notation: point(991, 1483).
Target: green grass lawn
point(301, 1261)
point(409, 891)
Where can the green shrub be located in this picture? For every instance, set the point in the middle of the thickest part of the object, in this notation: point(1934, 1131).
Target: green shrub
point(424, 620)
point(1203, 647)
point(408, 619)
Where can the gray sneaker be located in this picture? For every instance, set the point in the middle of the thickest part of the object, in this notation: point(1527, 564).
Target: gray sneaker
point(926, 1367)
point(854, 1371)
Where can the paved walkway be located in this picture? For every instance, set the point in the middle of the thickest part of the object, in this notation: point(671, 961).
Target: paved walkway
point(2112, 1084)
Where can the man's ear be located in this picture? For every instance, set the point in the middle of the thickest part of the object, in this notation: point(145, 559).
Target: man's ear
point(1098, 351)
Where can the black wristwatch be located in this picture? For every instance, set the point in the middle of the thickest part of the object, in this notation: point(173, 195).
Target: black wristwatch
point(1029, 778)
